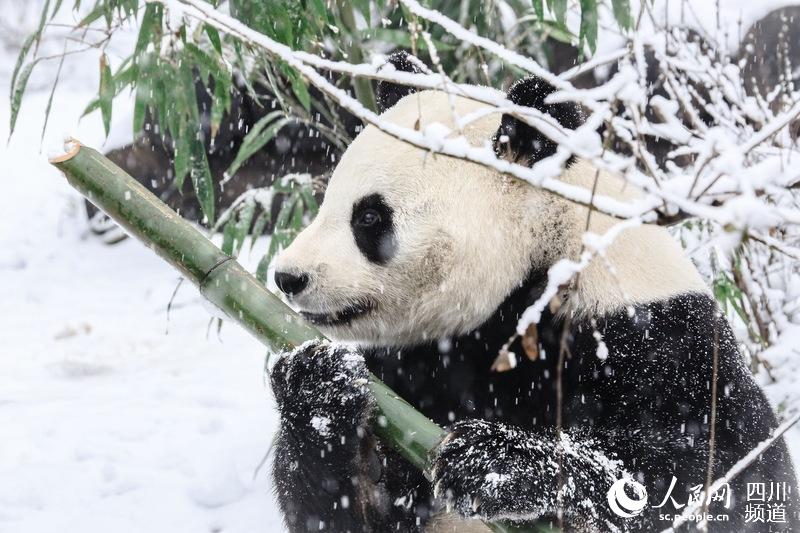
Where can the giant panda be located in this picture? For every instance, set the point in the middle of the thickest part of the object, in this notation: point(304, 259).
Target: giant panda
point(421, 265)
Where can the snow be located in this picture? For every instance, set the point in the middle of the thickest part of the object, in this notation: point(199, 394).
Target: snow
point(118, 415)
point(494, 479)
point(703, 16)
point(115, 415)
point(321, 424)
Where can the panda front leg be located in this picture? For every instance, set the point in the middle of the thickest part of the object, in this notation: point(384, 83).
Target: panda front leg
point(495, 471)
point(329, 470)
point(325, 405)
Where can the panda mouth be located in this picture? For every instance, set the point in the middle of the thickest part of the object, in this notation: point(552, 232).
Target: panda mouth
point(339, 318)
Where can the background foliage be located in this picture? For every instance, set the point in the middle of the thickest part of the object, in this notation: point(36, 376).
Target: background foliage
point(190, 83)
point(173, 56)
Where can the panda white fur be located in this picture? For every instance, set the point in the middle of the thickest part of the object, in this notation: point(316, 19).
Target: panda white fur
point(427, 262)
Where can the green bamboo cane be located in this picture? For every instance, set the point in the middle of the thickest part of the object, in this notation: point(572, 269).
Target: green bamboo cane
point(225, 283)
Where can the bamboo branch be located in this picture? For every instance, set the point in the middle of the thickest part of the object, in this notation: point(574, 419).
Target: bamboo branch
point(225, 283)
point(544, 177)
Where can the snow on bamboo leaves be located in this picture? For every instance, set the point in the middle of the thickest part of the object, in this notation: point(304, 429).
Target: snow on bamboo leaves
point(225, 283)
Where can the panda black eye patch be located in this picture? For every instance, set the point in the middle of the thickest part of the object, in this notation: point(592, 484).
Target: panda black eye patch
point(373, 228)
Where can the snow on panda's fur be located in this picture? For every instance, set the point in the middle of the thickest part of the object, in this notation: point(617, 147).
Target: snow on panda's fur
point(427, 263)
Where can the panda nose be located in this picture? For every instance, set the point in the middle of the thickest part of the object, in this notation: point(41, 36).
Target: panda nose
point(291, 284)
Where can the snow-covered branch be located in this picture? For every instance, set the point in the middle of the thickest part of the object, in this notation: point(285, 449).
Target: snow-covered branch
point(696, 145)
point(434, 139)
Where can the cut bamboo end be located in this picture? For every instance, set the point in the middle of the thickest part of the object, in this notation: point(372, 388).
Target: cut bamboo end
point(71, 149)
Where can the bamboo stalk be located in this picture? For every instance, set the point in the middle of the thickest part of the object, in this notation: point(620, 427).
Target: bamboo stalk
point(225, 283)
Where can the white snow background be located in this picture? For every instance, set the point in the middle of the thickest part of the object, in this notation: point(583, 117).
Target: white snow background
point(115, 416)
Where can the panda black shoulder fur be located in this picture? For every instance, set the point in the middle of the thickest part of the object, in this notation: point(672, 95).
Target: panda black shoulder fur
point(427, 262)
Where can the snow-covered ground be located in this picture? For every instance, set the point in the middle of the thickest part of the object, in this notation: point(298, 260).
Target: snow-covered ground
point(115, 416)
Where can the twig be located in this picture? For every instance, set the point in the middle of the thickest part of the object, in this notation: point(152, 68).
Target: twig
point(712, 431)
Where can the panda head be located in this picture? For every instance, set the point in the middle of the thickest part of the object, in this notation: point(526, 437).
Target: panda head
point(410, 246)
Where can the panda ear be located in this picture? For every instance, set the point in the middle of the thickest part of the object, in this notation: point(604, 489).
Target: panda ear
point(519, 142)
point(390, 93)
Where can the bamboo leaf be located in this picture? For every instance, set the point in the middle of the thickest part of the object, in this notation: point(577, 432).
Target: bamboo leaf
point(182, 149)
point(228, 237)
point(205, 62)
point(282, 223)
point(622, 12)
point(144, 92)
point(184, 92)
point(363, 7)
point(538, 8)
point(287, 227)
point(42, 20)
point(310, 202)
point(213, 36)
point(322, 12)
point(23, 53)
point(221, 103)
point(184, 126)
point(280, 236)
point(98, 11)
point(262, 270)
point(300, 90)
point(150, 29)
point(261, 133)
point(559, 9)
point(56, 8)
point(200, 173)
point(160, 101)
point(558, 32)
point(124, 77)
point(139, 108)
point(258, 227)
point(236, 228)
point(588, 32)
point(93, 105)
point(214, 66)
point(243, 225)
point(728, 294)
point(297, 220)
point(106, 92)
point(16, 95)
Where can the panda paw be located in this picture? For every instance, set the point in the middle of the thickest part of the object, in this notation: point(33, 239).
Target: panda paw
point(322, 395)
point(487, 470)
